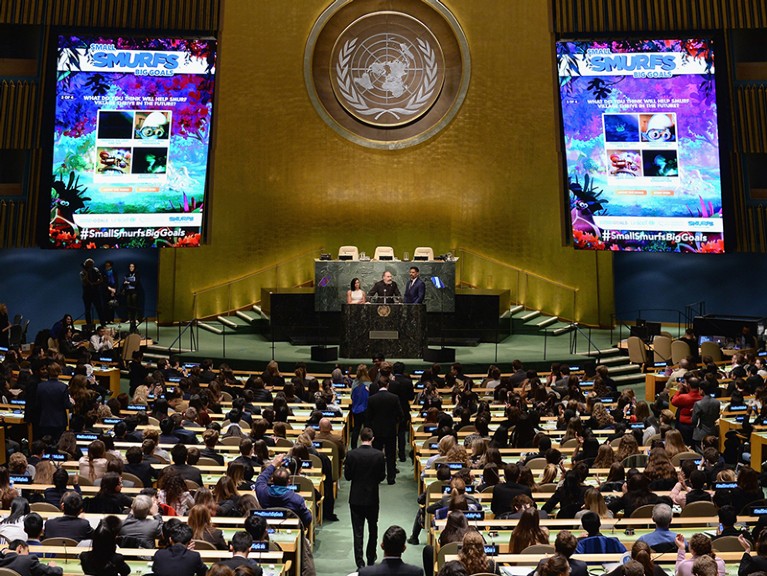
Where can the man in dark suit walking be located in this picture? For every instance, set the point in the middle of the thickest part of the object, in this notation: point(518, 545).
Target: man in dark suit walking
point(402, 387)
point(383, 415)
point(393, 545)
point(415, 291)
point(365, 468)
point(52, 398)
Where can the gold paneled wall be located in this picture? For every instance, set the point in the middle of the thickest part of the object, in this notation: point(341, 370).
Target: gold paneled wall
point(284, 185)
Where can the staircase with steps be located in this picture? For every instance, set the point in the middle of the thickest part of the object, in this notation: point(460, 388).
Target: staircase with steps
point(524, 321)
point(623, 372)
point(241, 321)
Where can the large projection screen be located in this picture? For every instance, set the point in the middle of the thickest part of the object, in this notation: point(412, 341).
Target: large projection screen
point(641, 142)
point(130, 144)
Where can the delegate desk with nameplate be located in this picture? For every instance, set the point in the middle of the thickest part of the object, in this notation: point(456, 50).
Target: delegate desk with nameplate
point(394, 330)
point(332, 279)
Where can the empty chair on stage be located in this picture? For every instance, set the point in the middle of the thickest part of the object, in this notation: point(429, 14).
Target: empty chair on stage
point(384, 253)
point(423, 253)
point(348, 253)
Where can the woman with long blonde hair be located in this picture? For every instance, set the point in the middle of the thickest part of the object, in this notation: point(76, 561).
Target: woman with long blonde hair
point(593, 501)
point(605, 457)
point(674, 443)
point(549, 475)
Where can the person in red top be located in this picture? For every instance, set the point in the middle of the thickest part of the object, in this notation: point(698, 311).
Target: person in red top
point(689, 393)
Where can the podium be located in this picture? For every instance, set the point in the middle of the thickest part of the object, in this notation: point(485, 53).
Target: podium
point(394, 330)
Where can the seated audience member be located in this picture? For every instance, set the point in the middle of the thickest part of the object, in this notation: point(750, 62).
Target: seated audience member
point(393, 544)
point(241, 543)
point(139, 467)
point(210, 438)
point(103, 558)
point(661, 539)
point(594, 542)
point(17, 558)
point(748, 489)
point(637, 494)
point(257, 527)
point(70, 525)
point(527, 532)
point(177, 559)
point(453, 568)
point(565, 546)
point(523, 502)
point(94, 465)
point(179, 455)
point(203, 529)
point(279, 495)
point(109, 499)
point(33, 526)
point(569, 496)
point(143, 525)
point(556, 565)
point(727, 518)
point(19, 466)
point(12, 526)
point(700, 545)
point(750, 563)
point(593, 501)
point(174, 493)
point(472, 554)
point(503, 493)
point(641, 554)
point(60, 480)
point(697, 493)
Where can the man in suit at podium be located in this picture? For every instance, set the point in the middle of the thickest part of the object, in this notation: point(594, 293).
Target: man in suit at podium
point(385, 290)
point(415, 291)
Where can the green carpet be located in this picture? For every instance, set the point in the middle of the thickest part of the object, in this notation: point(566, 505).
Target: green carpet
point(334, 554)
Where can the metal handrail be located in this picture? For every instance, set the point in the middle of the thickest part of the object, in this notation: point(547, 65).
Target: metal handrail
point(192, 340)
point(522, 279)
point(574, 341)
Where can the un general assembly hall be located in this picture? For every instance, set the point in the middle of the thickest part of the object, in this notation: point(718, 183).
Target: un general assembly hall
point(485, 276)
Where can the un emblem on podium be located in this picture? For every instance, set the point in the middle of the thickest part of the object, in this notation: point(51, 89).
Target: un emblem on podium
point(387, 78)
point(384, 311)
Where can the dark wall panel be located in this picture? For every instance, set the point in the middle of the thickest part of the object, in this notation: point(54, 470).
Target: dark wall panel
point(727, 283)
point(43, 285)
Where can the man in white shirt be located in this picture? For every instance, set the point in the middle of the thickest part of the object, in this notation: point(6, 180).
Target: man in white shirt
point(101, 341)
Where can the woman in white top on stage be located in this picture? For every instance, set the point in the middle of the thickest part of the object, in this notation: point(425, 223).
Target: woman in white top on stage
point(355, 295)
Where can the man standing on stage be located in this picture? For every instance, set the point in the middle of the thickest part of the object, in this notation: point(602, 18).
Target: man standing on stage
point(365, 468)
point(385, 289)
point(383, 415)
point(415, 291)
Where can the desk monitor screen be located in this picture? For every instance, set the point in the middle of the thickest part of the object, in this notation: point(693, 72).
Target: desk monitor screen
point(346, 257)
point(420, 258)
point(262, 546)
point(386, 258)
point(720, 340)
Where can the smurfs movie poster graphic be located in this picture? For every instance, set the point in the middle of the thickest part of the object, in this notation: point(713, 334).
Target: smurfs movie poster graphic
point(641, 140)
point(131, 137)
